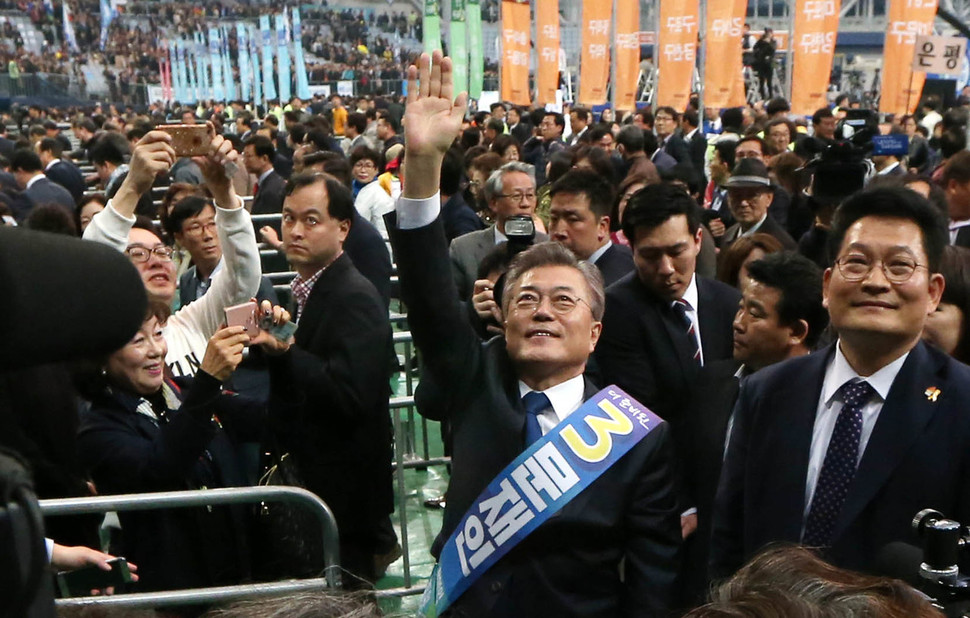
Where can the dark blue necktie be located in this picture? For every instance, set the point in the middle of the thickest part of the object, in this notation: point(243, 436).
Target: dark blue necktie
point(839, 465)
point(681, 307)
point(534, 404)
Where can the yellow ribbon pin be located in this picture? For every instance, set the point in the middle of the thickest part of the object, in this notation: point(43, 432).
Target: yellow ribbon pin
point(932, 393)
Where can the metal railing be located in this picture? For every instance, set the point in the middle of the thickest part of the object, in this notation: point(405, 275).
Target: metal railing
point(208, 497)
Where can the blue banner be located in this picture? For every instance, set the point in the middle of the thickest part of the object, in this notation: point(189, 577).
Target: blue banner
point(302, 80)
point(215, 62)
point(202, 66)
point(283, 57)
point(550, 473)
point(269, 88)
point(231, 94)
point(242, 52)
point(69, 35)
point(254, 63)
point(183, 70)
point(107, 16)
point(188, 71)
point(177, 92)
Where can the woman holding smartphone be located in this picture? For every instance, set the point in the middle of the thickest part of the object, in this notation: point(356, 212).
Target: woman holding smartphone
point(146, 432)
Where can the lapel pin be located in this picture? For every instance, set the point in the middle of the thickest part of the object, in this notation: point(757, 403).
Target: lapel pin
point(932, 393)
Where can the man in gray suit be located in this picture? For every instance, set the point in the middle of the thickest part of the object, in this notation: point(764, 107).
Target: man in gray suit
point(510, 190)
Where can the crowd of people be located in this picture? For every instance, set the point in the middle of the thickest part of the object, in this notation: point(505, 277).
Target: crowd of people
point(791, 303)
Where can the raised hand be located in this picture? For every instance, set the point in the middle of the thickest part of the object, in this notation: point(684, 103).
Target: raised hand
point(432, 121)
point(152, 155)
point(214, 169)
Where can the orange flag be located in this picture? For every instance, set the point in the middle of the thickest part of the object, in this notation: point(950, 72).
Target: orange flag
point(594, 59)
point(677, 47)
point(547, 31)
point(901, 86)
point(626, 44)
point(723, 78)
point(816, 25)
point(515, 52)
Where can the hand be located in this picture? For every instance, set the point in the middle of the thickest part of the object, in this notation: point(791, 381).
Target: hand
point(483, 300)
point(717, 227)
point(64, 558)
point(224, 352)
point(213, 167)
point(152, 155)
point(270, 344)
point(270, 237)
point(688, 524)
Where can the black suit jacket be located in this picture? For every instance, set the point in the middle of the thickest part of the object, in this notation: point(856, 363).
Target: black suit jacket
point(522, 132)
point(644, 349)
point(615, 263)
point(68, 176)
point(697, 147)
point(770, 227)
point(963, 237)
point(569, 565)
point(40, 193)
point(269, 198)
point(676, 147)
point(368, 251)
point(340, 437)
point(917, 457)
point(459, 218)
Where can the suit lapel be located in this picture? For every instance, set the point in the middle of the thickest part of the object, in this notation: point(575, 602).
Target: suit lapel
point(963, 237)
point(712, 337)
point(901, 421)
point(311, 318)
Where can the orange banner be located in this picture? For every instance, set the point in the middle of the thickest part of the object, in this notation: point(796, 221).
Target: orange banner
point(547, 48)
point(626, 43)
point(677, 52)
point(901, 86)
point(516, 25)
point(723, 78)
point(594, 61)
point(816, 26)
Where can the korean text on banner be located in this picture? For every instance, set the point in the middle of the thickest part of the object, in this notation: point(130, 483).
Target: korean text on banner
point(626, 44)
point(547, 48)
point(722, 66)
point(515, 52)
point(594, 58)
point(431, 26)
point(476, 53)
point(816, 26)
point(901, 86)
point(459, 46)
point(677, 48)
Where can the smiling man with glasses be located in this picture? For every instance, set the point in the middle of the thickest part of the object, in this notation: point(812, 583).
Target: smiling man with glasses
point(840, 449)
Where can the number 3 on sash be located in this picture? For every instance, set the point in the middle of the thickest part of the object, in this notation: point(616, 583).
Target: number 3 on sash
point(617, 423)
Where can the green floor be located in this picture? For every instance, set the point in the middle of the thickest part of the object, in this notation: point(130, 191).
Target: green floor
point(422, 523)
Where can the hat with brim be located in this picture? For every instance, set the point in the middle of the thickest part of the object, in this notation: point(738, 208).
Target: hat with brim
point(749, 173)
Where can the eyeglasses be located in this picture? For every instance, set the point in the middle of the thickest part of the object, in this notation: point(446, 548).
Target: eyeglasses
point(363, 164)
point(518, 196)
point(196, 228)
point(561, 302)
point(856, 267)
point(139, 254)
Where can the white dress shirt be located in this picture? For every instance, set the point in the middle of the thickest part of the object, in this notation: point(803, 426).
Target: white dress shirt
point(565, 397)
point(837, 373)
point(599, 252)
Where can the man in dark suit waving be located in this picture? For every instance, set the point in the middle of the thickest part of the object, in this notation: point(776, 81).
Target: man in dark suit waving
point(841, 448)
point(569, 565)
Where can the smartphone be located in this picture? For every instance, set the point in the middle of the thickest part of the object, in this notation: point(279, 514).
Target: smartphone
point(188, 140)
point(80, 582)
point(243, 315)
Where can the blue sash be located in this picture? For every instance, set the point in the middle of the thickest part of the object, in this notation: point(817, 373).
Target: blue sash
point(542, 480)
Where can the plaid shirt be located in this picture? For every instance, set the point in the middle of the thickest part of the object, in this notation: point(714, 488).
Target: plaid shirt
point(301, 289)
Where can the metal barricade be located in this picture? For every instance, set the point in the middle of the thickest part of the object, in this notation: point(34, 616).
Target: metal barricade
point(208, 497)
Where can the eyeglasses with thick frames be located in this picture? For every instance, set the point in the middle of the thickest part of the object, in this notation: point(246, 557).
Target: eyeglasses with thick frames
point(518, 196)
point(897, 269)
point(139, 254)
point(562, 303)
point(196, 229)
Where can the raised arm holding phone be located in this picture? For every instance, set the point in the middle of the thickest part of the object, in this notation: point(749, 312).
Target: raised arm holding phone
point(190, 328)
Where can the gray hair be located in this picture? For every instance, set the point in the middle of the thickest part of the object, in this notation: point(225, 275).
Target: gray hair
point(493, 186)
point(554, 254)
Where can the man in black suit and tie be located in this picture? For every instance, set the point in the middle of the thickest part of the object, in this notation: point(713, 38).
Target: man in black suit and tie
point(781, 316)
point(956, 184)
point(570, 564)
point(60, 170)
point(840, 449)
point(663, 322)
point(749, 195)
point(37, 189)
point(268, 191)
point(696, 143)
point(579, 219)
point(341, 437)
